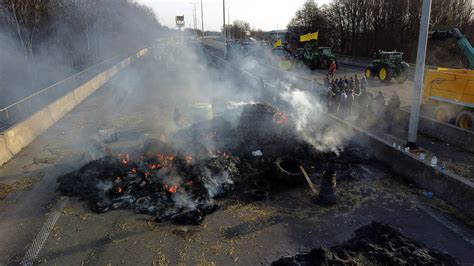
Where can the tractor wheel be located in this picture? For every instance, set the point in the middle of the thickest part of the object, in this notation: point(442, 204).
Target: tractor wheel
point(443, 114)
point(368, 73)
point(402, 77)
point(385, 73)
point(465, 120)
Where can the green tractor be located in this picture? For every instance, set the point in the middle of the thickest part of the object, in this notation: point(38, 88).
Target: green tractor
point(315, 57)
point(388, 65)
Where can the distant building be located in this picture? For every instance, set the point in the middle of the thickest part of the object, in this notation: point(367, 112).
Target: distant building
point(277, 34)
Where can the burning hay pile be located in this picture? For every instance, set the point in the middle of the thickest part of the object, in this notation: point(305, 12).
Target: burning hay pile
point(373, 244)
point(180, 180)
point(154, 184)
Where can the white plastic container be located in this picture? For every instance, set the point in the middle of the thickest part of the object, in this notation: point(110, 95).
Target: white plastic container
point(434, 161)
point(199, 112)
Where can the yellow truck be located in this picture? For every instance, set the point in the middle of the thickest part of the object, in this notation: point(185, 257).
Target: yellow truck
point(449, 93)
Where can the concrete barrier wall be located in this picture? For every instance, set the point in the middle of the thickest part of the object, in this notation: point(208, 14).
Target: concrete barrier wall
point(20, 135)
point(5, 153)
point(62, 106)
point(448, 133)
point(450, 187)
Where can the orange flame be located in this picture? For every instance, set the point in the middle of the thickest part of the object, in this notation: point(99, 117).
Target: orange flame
point(119, 190)
point(125, 159)
point(173, 189)
point(165, 161)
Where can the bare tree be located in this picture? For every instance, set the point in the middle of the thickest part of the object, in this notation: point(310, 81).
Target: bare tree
point(361, 27)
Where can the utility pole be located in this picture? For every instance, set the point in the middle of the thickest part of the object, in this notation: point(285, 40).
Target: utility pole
point(202, 20)
point(419, 74)
point(224, 30)
point(228, 23)
point(278, 35)
point(195, 17)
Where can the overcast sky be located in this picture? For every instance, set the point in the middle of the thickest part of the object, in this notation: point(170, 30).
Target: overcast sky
point(261, 14)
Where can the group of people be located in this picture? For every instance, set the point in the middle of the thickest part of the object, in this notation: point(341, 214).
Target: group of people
point(349, 97)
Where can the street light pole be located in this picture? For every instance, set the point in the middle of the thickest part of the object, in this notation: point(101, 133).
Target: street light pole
point(228, 23)
point(419, 74)
point(224, 31)
point(195, 25)
point(202, 20)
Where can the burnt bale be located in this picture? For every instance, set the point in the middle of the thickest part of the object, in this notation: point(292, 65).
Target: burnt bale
point(373, 244)
point(260, 122)
point(354, 156)
point(191, 217)
point(206, 205)
point(92, 179)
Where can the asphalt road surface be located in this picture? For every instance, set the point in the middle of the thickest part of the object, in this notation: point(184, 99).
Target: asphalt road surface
point(140, 104)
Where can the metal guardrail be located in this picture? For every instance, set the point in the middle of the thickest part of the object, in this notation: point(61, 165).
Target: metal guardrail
point(15, 112)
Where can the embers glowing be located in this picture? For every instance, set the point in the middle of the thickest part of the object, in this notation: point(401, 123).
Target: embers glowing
point(125, 158)
point(171, 189)
point(165, 161)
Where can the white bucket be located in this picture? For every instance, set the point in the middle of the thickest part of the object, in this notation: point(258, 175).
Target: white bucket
point(200, 112)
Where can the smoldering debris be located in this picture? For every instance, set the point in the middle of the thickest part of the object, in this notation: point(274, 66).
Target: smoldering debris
point(180, 181)
point(153, 183)
point(373, 244)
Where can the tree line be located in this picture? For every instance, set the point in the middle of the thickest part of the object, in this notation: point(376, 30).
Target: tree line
point(42, 41)
point(361, 27)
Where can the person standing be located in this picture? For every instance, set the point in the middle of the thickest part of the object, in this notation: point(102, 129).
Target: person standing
point(363, 84)
point(391, 110)
point(351, 84)
point(363, 101)
point(379, 106)
point(356, 85)
point(340, 84)
point(332, 69)
point(349, 102)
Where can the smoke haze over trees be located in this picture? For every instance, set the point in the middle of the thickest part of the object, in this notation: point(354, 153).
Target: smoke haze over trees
point(361, 27)
point(43, 41)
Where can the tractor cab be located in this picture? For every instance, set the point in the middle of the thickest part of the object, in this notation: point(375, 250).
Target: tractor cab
point(325, 51)
point(391, 56)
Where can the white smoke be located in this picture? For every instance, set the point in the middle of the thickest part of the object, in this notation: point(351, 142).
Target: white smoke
point(183, 200)
point(310, 122)
point(215, 183)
